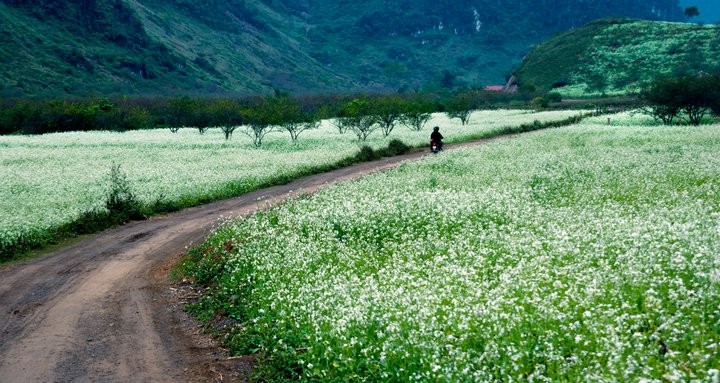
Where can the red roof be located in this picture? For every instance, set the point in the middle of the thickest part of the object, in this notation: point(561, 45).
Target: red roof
point(495, 88)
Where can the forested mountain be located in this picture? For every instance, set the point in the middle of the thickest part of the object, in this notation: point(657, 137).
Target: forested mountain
point(161, 47)
point(617, 56)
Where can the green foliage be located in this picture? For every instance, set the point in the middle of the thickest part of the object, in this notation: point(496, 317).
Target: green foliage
point(121, 202)
point(292, 118)
point(462, 105)
point(366, 153)
point(417, 113)
point(113, 47)
point(389, 111)
point(554, 97)
point(620, 56)
point(692, 11)
point(228, 114)
point(691, 97)
point(358, 116)
point(396, 147)
point(40, 117)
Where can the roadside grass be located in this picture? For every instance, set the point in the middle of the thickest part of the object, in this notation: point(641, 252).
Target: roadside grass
point(54, 186)
point(588, 253)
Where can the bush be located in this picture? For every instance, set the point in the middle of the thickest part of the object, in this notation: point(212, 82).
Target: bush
point(395, 147)
point(554, 97)
point(121, 202)
point(366, 153)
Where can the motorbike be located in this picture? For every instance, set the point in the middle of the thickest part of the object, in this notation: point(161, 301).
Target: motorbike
point(435, 146)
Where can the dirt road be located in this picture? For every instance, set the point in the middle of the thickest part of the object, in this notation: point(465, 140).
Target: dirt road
point(103, 310)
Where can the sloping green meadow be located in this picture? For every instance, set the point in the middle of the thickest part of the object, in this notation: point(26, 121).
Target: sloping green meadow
point(582, 254)
point(49, 181)
point(620, 56)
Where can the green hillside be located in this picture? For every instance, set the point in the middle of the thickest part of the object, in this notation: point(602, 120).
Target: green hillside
point(151, 47)
point(170, 47)
point(617, 56)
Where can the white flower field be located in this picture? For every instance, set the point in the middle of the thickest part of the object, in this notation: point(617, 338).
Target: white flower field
point(49, 180)
point(581, 254)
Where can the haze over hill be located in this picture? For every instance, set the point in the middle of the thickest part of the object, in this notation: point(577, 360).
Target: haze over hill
point(173, 47)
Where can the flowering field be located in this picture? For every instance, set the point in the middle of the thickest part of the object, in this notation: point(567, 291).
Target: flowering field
point(49, 180)
point(589, 253)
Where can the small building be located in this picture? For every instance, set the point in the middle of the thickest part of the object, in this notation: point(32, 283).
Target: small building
point(510, 87)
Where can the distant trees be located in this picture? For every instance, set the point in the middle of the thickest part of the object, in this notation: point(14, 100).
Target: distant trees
point(692, 11)
point(261, 119)
point(462, 105)
point(226, 114)
point(359, 117)
point(363, 115)
point(389, 110)
point(39, 117)
point(688, 97)
point(291, 117)
point(417, 113)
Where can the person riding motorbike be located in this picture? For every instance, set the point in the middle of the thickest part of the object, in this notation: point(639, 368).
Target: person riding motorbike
point(436, 140)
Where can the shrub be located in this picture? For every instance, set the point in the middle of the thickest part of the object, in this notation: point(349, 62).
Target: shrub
point(554, 97)
point(396, 147)
point(121, 202)
point(366, 153)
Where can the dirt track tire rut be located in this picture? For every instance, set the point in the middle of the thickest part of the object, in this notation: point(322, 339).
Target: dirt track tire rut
point(103, 310)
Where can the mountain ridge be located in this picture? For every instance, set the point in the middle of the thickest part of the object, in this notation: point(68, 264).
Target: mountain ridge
point(180, 47)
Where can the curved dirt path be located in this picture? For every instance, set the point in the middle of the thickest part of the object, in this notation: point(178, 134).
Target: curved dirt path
point(103, 310)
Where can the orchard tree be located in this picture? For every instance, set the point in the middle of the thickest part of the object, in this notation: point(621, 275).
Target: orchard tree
point(187, 112)
point(690, 96)
point(334, 111)
point(359, 118)
point(462, 106)
point(290, 116)
point(227, 114)
point(261, 120)
point(699, 97)
point(342, 124)
point(388, 111)
point(172, 113)
point(663, 100)
point(416, 114)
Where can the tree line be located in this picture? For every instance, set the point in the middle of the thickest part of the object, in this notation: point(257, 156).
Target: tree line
point(683, 99)
point(362, 115)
